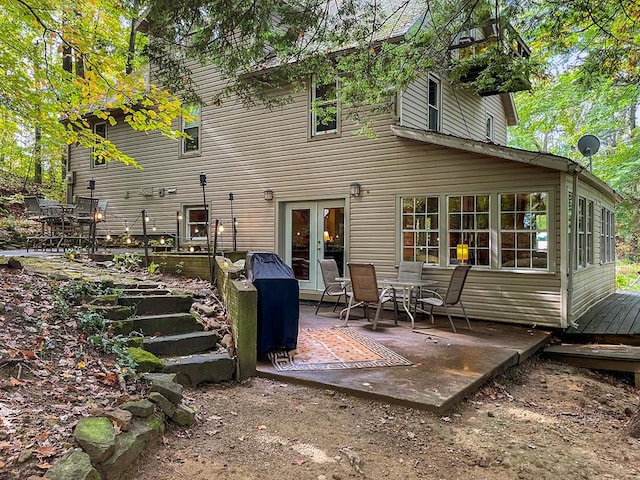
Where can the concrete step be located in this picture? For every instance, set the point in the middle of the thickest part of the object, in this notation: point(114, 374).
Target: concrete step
point(182, 344)
point(169, 324)
point(157, 304)
point(200, 368)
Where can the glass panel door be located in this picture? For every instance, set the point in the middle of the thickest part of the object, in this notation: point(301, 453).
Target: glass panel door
point(314, 230)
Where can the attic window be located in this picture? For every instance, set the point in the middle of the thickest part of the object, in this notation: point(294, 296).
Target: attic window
point(434, 101)
point(489, 128)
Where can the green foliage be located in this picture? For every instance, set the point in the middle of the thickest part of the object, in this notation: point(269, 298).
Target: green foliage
point(127, 261)
point(100, 336)
point(154, 268)
point(75, 292)
point(628, 276)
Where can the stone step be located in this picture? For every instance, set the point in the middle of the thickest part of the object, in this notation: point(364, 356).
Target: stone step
point(157, 304)
point(199, 368)
point(169, 324)
point(182, 344)
point(145, 291)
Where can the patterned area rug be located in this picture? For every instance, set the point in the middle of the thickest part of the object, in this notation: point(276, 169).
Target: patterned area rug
point(335, 348)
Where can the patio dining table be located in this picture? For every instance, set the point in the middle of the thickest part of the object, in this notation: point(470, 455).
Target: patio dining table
point(407, 287)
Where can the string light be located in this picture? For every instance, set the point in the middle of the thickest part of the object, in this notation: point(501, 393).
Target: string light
point(128, 240)
point(108, 237)
point(161, 240)
point(191, 249)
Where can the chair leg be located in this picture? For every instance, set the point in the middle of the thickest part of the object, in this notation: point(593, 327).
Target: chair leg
point(465, 314)
point(337, 301)
point(346, 317)
point(453, 327)
point(377, 317)
point(318, 307)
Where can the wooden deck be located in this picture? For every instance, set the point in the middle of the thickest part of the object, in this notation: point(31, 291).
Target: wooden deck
point(614, 320)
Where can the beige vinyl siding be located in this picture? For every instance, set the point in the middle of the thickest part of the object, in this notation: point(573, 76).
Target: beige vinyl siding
point(593, 282)
point(464, 113)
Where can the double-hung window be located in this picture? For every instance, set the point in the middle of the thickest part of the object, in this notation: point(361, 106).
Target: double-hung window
point(325, 110)
point(196, 223)
point(97, 160)
point(420, 229)
point(524, 233)
point(607, 236)
point(468, 224)
point(434, 98)
point(489, 128)
point(191, 127)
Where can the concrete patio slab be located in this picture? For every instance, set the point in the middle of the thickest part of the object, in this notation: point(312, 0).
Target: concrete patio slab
point(447, 366)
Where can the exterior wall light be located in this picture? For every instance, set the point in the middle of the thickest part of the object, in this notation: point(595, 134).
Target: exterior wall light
point(354, 188)
point(268, 195)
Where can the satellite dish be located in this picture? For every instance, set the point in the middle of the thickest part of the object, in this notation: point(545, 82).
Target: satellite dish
point(588, 146)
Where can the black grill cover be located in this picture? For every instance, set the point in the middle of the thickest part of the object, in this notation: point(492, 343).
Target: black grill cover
point(278, 308)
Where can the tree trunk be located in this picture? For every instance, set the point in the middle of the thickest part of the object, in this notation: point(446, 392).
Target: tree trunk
point(37, 157)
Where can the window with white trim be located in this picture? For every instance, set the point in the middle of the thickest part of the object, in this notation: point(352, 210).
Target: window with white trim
point(196, 223)
point(468, 224)
point(582, 232)
point(434, 100)
point(589, 233)
point(607, 236)
point(521, 228)
point(97, 160)
point(324, 109)
point(489, 128)
point(524, 234)
point(420, 229)
point(191, 127)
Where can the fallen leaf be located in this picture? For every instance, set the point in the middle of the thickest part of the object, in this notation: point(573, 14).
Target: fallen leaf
point(575, 388)
point(298, 461)
point(28, 354)
point(2, 464)
point(261, 427)
point(44, 466)
point(82, 364)
point(43, 436)
point(15, 382)
point(46, 451)
point(235, 414)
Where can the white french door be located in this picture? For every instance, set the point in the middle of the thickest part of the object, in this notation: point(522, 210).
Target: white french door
point(314, 230)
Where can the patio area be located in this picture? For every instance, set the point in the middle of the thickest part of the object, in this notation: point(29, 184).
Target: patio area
point(447, 366)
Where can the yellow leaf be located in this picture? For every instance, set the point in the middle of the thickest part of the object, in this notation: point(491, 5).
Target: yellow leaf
point(82, 364)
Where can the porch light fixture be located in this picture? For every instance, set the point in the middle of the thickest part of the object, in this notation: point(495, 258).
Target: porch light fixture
point(462, 252)
point(268, 195)
point(354, 188)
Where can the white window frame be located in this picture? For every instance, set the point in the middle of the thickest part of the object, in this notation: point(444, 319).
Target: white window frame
point(99, 163)
point(529, 232)
point(317, 103)
point(190, 127)
point(189, 223)
point(434, 108)
point(489, 127)
point(607, 236)
point(418, 237)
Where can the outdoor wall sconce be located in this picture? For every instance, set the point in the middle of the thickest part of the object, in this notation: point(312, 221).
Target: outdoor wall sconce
point(354, 188)
point(268, 195)
point(462, 252)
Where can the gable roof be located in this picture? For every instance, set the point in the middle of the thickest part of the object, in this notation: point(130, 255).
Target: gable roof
point(540, 159)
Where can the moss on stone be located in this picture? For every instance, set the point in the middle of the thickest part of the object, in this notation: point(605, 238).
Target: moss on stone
point(146, 361)
point(135, 342)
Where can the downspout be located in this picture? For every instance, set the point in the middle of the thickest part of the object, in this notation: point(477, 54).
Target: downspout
point(576, 169)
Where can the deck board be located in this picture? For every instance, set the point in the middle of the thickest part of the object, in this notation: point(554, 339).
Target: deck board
point(618, 314)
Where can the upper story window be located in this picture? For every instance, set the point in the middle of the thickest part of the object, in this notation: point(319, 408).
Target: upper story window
point(324, 111)
point(434, 97)
point(99, 129)
point(191, 126)
point(489, 128)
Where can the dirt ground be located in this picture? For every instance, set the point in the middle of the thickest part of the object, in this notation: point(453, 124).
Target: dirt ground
point(542, 420)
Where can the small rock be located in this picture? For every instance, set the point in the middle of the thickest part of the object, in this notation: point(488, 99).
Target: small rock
point(121, 417)
point(75, 466)
point(140, 408)
point(171, 390)
point(96, 436)
point(184, 416)
point(227, 341)
point(25, 455)
point(165, 405)
point(491, 414)
point(2, 308)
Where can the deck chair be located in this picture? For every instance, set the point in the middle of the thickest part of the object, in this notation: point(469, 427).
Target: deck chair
point(85, 210)
point(35, 212)
point(451, 297)
point(365, 291)
point(408, 271)
point(332, 288)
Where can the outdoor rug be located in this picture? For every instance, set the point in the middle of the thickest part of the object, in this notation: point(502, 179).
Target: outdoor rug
point(335, 348)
